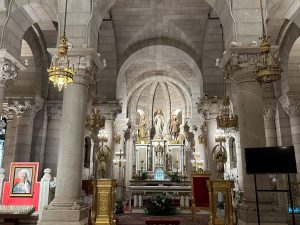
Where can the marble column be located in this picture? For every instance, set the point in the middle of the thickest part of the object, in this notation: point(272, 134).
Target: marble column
point(25, 109)
point(110, 110)
point(291, 105)
point(9, 69)
point(54, 111)
point(238, 63)
point(210, 108)
point(67, 208)
point(11, 124)
point(269, 109)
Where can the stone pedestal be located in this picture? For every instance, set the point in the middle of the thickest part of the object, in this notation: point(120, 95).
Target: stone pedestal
point(104, 200)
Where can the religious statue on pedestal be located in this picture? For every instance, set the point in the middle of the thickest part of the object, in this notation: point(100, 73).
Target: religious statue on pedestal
point(159, 123)
point(174, 128)
point(142, 130)
point(219, 154)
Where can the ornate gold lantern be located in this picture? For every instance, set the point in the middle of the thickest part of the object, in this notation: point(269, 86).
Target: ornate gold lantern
point(226, 120)
point(60, 71)
point(267, 67)
point(95, 120)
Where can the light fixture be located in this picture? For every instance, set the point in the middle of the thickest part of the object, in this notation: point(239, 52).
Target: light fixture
point(226, 120)
point(95, 120)
point(103, 135)
point(267, 66)
point(60, 71)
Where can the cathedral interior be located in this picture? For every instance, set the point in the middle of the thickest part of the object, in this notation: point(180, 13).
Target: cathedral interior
point(112, 102)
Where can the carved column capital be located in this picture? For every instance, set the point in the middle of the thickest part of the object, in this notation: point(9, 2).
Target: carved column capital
point(54, 111)
point(110, 109)
point(27, 106)
point(291, 104)
point(209, 108)
point(269, 107)
point(9, 67)
point(238, 62)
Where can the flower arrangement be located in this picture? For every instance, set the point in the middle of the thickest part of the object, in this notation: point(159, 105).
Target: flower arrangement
point(175, 177)
point(161, 205)
point(140, 176)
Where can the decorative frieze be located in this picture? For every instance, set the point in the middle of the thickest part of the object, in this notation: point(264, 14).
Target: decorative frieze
point(291, 104)
point(269, 108)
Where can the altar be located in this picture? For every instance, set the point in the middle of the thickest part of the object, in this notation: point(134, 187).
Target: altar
point(159, 158)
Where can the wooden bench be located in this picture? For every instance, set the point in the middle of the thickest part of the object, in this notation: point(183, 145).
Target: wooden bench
point(162, 222)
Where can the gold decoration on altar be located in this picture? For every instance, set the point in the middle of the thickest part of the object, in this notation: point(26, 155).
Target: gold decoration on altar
point(219, 154)
point(60, 71)
point(267, 67)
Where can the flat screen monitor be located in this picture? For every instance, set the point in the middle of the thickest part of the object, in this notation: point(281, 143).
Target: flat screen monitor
point(270, 160)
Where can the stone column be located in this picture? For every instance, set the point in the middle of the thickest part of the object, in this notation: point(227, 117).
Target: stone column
point(9, 69)
point(25, 109)
point(238, 62)
point(54, 111)
point(110, 110)
point(67, 208)
point(9, 137)
point(210, 108)
point(291, 104)
point(269, 109)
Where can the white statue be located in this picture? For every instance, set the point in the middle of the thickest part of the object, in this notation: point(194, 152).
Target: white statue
point(159, 123)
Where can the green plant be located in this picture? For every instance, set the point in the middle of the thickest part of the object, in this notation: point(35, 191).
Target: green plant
point(119, 207)
point(175, 177)
point(140, 176)
point(161, 205)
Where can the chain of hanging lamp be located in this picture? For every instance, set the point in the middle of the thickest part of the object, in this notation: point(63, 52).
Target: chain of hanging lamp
point(61, 73)
point(267, 66)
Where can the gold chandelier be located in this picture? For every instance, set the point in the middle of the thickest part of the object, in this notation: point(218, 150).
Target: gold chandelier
point(95, 120)
point(226, 120)
point(267, 68)
point(60, 71)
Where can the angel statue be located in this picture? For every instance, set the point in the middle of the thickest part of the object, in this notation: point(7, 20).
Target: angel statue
point(159, 123)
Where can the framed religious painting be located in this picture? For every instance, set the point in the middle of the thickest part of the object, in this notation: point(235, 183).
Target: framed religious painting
point(22, 179)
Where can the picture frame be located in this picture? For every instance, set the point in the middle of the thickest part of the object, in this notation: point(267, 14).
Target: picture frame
point(22, 179)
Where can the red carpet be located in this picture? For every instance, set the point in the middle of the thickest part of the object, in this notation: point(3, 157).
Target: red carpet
point(139, 219)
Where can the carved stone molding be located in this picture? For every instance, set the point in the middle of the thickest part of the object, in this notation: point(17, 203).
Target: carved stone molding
point(9, 67)
point(26, 107)
point(291, 104)
point(269, 107)
point(54, 111)
point(110, 109)
point(209, 108)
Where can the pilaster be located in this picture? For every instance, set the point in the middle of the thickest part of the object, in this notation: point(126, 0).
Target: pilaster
point(269, 109)
point(25, 109)
point(291, 104)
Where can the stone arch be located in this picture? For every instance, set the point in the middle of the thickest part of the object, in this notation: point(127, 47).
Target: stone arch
point(287, 41)
point(20, 20)
point(137, 55)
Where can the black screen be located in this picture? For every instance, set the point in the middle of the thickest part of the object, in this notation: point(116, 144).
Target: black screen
point(270, 160)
